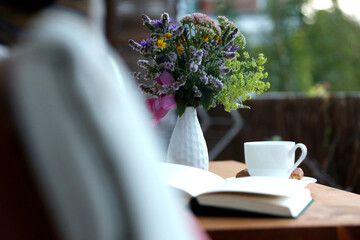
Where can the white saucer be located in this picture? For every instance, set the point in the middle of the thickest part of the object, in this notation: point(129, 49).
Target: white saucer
point(304, 179)
point(309, 180)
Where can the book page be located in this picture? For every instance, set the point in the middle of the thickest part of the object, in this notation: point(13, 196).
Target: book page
point(261, 185)
point(189, 179)
point(265, 204)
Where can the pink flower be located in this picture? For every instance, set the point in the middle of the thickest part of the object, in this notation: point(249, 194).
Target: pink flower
point(202, 20)
point(160, 106)
point(165, 78)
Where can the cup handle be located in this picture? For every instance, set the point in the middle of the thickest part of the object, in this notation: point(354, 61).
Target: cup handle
point(301, 158)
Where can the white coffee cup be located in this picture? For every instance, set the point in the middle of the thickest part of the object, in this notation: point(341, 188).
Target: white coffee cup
point(272, 158)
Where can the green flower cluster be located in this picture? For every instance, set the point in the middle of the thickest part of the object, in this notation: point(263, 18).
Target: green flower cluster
point(244, 78)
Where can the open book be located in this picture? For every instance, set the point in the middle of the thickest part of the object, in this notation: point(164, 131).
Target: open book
point(264, 195)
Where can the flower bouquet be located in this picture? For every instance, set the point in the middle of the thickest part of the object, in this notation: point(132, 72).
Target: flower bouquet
point(196, 62)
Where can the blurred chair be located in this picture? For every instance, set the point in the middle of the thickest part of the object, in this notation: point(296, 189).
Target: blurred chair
point(78, 153)
point(234, 125)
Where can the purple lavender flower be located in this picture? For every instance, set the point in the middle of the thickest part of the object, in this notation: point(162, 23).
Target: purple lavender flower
point(170, 89)
point(157, 23)
point(227, 47)
point(135, 46)
point(147, 89)
point(146, 42)
point(136, 75)
point(199, 54)
point(161, 59)
point(147, 51)
point(234, 48)
point(143, 63)
point(165, 18)
point(182, 80)
point(201, 69)
point(145, 19)
point(229, 55)
point(143, 88)
point(178, 31)
point(155, 36)
point(169, 66)
point(197, 92)
point(218, 83)
point(172, 56)
point(224, 70)
point(212, 44)
point(233, 35)
point(196, 56)
point(206, 46)
point(204, 79)
point(205, 54)
point(193, 67)
point(173, 26)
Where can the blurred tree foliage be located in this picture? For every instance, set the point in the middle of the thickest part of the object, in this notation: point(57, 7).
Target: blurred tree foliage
point(301, 55)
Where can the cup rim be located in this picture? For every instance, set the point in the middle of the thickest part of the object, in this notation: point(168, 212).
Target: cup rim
point(269, 142)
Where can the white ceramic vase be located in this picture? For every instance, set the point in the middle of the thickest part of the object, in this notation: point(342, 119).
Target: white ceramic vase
point(187, 143)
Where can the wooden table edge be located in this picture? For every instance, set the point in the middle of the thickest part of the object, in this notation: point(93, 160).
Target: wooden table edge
point(333, 213)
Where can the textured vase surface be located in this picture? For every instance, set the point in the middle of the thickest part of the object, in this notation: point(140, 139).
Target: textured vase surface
point(187, 143)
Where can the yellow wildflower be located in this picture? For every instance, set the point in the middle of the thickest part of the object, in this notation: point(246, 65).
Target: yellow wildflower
point(205, 38)
point(160, 43)
point(179, 49)
point(167, 35)
point(216, 37)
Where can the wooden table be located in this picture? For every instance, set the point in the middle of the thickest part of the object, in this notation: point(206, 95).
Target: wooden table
point(334, 214)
